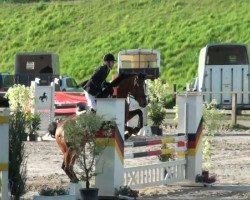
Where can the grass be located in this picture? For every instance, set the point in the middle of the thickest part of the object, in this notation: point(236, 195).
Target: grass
point(82, 32)
point(242, 122)
point(238, 127)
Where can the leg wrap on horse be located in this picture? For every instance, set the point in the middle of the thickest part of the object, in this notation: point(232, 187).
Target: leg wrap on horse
point(134, 130)
point(131, 131)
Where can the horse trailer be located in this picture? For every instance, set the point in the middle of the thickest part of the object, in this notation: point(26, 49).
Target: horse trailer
point(144, 61)
point(223, 70)
point(29, 65)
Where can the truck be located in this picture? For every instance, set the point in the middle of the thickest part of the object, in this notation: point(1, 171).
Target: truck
point(224, 69)
point(68, 84)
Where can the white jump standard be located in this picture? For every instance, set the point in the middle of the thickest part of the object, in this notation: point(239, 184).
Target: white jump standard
point(4, 157)
point(187, 166)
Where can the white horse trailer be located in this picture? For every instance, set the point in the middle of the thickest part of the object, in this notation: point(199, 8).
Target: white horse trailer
point(223, 69)
point(135, 61)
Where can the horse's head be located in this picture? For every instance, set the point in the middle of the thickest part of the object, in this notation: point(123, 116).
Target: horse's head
point(134, 86)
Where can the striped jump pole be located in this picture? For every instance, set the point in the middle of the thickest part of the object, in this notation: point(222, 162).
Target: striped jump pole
point(190, 124)
point(159, 173)
point(156, 142)
point(180, 147)
point(110, 169)
point(152, 153)
point(4, 155)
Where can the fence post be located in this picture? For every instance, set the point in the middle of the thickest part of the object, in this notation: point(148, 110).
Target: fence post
point(43, 103)
point(110, 167)
point(4, 155)
point(234, 109)
point(174, 93)
point(190, 124)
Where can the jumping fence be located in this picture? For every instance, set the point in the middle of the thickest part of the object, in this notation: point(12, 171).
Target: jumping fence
point(187, 147)
point(159, 173)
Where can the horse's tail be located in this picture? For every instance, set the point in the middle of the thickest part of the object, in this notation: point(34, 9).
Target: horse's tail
point(52, 129)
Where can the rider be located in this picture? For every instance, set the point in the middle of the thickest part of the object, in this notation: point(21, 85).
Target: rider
point(98, 82)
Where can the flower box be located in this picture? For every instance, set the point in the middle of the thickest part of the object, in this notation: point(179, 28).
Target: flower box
point(60, 197)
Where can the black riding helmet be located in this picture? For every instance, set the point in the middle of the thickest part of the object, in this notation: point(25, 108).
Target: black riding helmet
point(109, 57)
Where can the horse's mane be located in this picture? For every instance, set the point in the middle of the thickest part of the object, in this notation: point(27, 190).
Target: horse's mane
point(124, 76)
point(120, 78)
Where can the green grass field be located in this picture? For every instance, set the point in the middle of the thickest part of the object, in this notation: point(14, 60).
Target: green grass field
point(82, 32)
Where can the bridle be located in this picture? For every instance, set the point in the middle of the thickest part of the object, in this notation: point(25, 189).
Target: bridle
point(134, 96)
point(137, 96)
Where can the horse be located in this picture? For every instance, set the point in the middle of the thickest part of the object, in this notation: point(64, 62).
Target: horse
point(128, 85)
point(131, 86)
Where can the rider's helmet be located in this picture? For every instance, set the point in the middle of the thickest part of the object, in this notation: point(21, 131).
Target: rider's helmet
point(109, 57)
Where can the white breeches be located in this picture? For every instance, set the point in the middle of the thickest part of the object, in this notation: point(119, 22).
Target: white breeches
point(91, 100)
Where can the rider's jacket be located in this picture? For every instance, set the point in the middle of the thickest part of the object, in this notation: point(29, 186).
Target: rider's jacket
point(97, 81)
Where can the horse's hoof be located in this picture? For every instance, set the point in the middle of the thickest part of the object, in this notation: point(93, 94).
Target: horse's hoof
point(127, 136)
point(136, 130)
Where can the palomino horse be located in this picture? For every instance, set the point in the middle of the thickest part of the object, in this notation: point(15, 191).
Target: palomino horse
point(132, 85)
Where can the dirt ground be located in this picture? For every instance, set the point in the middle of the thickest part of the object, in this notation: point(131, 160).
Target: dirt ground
point(230, 160)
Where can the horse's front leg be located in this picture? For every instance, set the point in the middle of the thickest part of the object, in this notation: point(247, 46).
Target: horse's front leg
point(135, 130)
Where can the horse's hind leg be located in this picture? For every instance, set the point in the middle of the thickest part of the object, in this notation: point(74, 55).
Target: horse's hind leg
point(140, 115)
point(72, 162)
point(66, 165)
point(63, 165)
point(66, 170)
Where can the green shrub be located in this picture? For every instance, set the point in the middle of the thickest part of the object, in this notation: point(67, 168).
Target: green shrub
point(80, 133)
point(17, 157)
point(126, 191)
point(53, 191)
point(213, 122)
point(160, 92)
point(166, 157)
point(19, 97)
point(33, 122)
point(156, 114)
point(160, 95)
